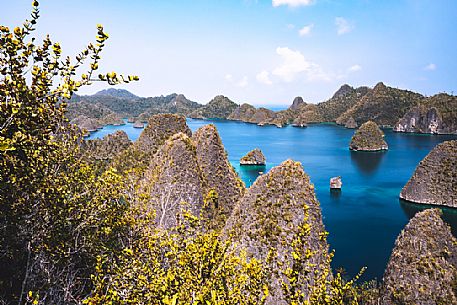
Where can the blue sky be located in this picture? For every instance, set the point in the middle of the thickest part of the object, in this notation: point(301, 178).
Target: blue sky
point(260, 52)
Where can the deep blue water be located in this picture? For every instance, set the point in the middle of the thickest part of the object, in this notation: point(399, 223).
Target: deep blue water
point(363, 219)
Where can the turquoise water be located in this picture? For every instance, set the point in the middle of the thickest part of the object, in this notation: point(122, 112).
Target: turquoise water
point(363, 219)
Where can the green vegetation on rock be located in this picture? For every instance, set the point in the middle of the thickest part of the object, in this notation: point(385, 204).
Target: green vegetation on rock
point(368, 138)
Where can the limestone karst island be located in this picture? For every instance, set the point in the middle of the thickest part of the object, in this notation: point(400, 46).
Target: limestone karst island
point(231, 152)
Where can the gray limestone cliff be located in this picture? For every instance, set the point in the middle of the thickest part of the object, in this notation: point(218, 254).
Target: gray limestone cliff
point(435, 179)
point(435, 115)
point(422, 266)
point(275, 214)
point(217, 172)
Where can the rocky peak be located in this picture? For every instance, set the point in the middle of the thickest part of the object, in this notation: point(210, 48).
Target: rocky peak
point(296, 103)
point(434, 180)
point(218, 173)
point(271, 216)
point(423, 266)
point(379, 87)
point(344, 90)
point(160, 128)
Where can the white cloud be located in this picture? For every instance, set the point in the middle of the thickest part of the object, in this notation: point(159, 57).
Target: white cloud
point(292, 3)
point(343, 26)
point(290, 26)
point(264, 77)
point(355, 68)
point(430, 67)
point(294, 63)
point(306, 30)
point(243, 82)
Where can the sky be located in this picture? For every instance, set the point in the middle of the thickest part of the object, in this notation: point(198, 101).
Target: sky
point(263, 52)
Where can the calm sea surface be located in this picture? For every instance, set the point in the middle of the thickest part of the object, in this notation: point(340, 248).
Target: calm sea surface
point(363, 219)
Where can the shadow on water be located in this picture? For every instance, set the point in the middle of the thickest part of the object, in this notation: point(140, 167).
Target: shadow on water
point(367, 162)
point(335, 194)
point(449, 214)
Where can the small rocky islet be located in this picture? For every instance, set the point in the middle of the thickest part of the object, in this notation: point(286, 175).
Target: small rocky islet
point(369, 137)
point(254, 157)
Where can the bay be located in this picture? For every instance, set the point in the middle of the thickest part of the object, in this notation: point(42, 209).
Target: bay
point(366, 216)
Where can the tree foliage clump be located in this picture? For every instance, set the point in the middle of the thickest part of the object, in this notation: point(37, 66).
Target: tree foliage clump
point(55, 212)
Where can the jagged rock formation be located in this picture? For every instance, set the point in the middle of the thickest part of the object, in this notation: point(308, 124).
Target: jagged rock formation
point(217, 172)
point(160, 128)
point(111, 119)
point(351, 123)
point(422, 269)
point(174, 181)
point(219, 107)
point(272, 215)
point(254, 157)
point(383, 105)
point(437, 115)
point(435, 178)
point(296, 103)
point(107, 148)
point(368, 138)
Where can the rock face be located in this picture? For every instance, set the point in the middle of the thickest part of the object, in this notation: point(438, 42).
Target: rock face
point(217, 172)
point(219, 107)
point(108, 147)
point(296, 103)
point(174, 181)
point(272, 215)
point(368, 138)
point(436, 115)
point(254, 157)
point(422, 267)
point(160, 128)
point(335, 183)
point(351, 123)
point(435, 178)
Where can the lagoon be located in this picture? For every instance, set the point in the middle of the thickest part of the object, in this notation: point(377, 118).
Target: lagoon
point(366, 216)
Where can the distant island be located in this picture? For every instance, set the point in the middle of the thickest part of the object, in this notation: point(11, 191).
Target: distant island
point(402, 110)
